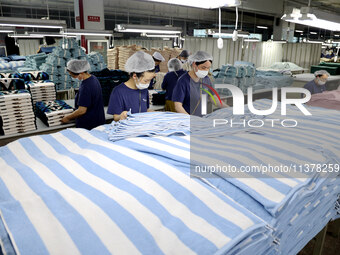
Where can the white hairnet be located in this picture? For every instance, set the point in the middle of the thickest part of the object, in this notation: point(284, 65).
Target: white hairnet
point(321, 72)
point(200, 56)
point(139, 62)
point(78, 65)
point(174, 64)
point(158, 56)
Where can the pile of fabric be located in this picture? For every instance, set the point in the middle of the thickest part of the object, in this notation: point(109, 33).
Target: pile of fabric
point(295, 202)
point(272, 79)
point(284, 68)
point(16, 112)
point(245, 76)
point(242, 76)
point(112, 58)
point(35, 61)
point(51, 112)
point(42, 91)
point(56, 63)
point(109, 79)
point(96, 61)
point(326, 99)
point(140, 125)
point(11, 81)
point(11, 66)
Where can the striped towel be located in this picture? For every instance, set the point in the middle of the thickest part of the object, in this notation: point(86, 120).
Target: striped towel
point(98, 197)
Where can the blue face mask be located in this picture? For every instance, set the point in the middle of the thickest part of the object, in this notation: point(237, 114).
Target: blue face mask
point(74, 79)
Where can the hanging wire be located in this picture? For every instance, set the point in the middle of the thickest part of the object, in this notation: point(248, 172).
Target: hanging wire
point(219, 22)
point(236, 18)
point(48, 10)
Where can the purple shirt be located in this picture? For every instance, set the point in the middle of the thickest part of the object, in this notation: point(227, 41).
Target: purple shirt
point(123, 99)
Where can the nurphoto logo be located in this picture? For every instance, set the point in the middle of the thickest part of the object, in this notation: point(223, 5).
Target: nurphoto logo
point(239, 105)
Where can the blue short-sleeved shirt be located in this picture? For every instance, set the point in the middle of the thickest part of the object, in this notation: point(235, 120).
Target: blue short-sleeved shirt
point(315, 88)
point(187, 90)
point(153, 81)
point(90, 96)
point(170, 81)
point(123, 99)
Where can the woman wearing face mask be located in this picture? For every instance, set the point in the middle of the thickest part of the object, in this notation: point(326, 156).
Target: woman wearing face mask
point(88, 100)
point(183, 57)
point(188, 90)
point(133, 94)
point(318, 84)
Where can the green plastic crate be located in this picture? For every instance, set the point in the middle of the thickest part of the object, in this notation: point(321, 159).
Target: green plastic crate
point(331, 70)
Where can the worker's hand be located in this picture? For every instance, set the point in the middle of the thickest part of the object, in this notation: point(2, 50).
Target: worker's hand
point(65, 120)
point(123, 115)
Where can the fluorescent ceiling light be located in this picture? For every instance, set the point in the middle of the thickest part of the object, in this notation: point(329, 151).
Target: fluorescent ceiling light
point(22, 22)
point(313, 33)
point(336, 35)
point(160, 35)
point(299, 31)
point(252, 40)
point(6, 31)
point(311, 41)
point(51, 35)
point(229, 33)
point(201, 4)
point(262, 27)
point(277, 41)
point(127, 28)
point(327, 44)
point(88, 32)
point(25, 36)
point(149, 31)
point(309, 19)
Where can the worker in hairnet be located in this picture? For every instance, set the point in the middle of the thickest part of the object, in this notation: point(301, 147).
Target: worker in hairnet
point(318, 85)
point(158, 58)
point(188, 91)
point(88, 102)
point(183, 57)
point(170, 80)
point(133, 94)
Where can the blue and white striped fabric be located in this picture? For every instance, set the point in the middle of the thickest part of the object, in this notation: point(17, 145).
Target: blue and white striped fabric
point(297, 208)
point(149, 124)
point(75, 192)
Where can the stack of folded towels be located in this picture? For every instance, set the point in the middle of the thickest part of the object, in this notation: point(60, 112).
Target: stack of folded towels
point(16, 112)
point(51, 112)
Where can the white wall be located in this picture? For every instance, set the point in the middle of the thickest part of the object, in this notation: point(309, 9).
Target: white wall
point(28, 46)
point(302, 54)
point(261, 53)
